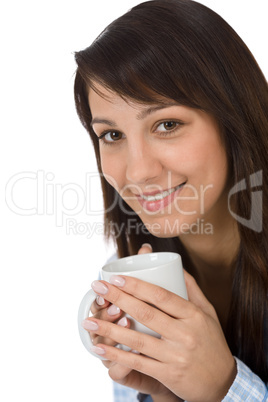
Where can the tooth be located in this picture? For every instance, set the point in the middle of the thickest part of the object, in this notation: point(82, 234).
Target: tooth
point(160, 196)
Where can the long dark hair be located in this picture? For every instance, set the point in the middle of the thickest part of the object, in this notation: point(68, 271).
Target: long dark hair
point(181, 50)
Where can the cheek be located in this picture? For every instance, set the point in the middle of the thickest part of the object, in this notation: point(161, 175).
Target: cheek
point(113, 170)
point(206, 157)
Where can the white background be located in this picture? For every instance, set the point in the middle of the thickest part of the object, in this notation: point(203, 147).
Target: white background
point(47, 265)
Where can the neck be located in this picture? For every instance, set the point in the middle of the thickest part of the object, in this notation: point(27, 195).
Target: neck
point(212, 255)
point(213, 251)
point(211, 258)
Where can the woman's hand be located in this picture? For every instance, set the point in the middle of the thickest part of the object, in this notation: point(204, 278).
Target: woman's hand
point(191, 359)
point(123, 374)
point(104, 310)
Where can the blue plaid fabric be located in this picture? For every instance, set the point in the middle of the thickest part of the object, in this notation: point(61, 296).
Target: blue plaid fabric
point(246, 387)
point(124, 394)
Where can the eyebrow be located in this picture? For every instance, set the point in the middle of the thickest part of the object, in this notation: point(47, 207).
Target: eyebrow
point(140, 116)
point(97, 120)
point(146, 112)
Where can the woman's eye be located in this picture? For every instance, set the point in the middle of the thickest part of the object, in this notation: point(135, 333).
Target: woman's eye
point(111, 136)
point(167, 126)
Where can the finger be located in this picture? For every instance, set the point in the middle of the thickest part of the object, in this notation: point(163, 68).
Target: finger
point(196, 295)
point(133, 361)
point(166, 301)
point(134, 379)
point(142, 312)
point(112, 313)
point(108, 364)
point(118, 373)
point(157, 296)
point(99, 304)
point(104, 311)
point(123, 371)
point(123, 322)
point(143, 343)
point(145, 248)
point(96, 339)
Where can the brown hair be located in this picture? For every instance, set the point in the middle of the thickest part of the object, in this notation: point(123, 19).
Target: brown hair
point(181, 50)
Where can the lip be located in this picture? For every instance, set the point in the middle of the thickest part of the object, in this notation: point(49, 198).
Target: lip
point(152, 193)
point(159, 204)
point(157, 191)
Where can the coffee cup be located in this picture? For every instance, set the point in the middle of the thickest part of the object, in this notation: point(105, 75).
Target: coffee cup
point(163, 269)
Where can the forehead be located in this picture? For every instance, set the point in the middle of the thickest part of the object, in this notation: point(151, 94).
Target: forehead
point(102, 99)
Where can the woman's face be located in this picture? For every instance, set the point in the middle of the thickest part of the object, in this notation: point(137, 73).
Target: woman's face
point(166, 161)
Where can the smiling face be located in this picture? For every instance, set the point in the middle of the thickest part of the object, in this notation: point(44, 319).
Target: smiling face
point(167, 161)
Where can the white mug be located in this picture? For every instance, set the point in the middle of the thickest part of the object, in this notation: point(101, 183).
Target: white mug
point(162, 269)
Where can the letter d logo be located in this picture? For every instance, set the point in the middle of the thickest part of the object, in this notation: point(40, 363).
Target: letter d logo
point(255, 221)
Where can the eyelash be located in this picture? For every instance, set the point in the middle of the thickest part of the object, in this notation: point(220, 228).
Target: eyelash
point(161, 133)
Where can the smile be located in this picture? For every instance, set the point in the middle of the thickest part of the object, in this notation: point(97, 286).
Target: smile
point(162, 195)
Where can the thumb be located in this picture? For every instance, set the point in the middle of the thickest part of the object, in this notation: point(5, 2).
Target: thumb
point(196, 296)
point(119, 373)
point(145, 248)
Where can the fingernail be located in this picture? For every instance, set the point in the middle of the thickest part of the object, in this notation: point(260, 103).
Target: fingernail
point(135, 351)
point(117, 280)
point(113, 310)
point(97, 350)
point(99, 287)
point(122, 322)
point(147, 245)
point(90, 325)
point(100, 300)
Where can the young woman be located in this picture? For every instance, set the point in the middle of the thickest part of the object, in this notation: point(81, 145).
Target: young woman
point(177, 109)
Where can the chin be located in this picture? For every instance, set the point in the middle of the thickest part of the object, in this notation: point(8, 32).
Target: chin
point(176, 227)
point(163, 229)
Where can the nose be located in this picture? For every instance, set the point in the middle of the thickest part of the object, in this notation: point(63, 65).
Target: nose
point(143, 163)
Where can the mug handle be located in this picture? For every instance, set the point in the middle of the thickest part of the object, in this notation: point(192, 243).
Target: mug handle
point(83, 313)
